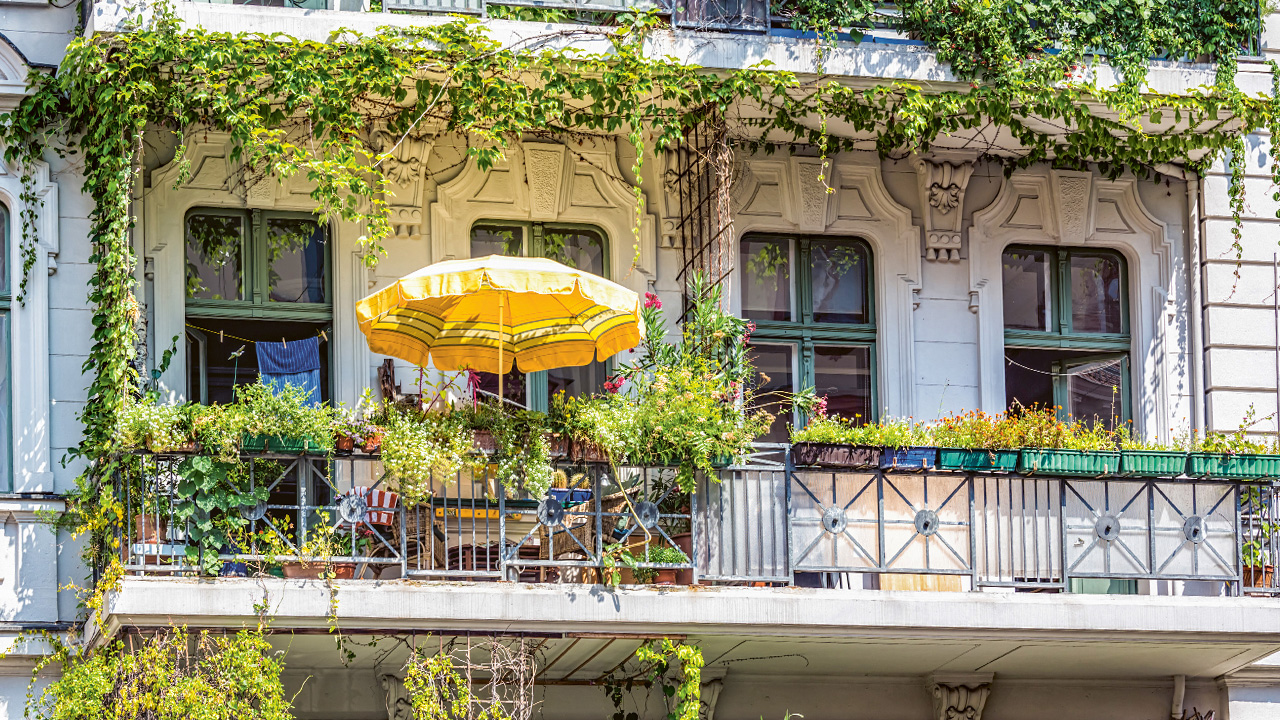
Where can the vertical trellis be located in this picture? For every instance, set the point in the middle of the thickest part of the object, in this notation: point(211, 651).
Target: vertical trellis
point(705, 226)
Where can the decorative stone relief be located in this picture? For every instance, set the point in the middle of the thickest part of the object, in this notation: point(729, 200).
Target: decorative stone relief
point(1072, 190)
point(813, 194)
point(942, 186)
point(261, 194)
point(961, 696)
point(402, 160)
point(544, 171)
point(399, 705)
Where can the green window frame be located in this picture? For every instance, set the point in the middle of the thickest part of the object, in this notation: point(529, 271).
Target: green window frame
point(6, 369)
point(254, 312)
point(537, 239)
point(809, 336)
point(1063, 351)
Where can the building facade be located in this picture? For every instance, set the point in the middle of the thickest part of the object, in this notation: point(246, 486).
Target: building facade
point(914, 287)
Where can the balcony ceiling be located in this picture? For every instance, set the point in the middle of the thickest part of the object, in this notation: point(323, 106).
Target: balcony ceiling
point(585, 632)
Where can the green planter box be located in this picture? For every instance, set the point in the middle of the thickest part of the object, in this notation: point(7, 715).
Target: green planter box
point(977, 460)
point(283, 445)
point(1072, 463)
point(1152, 463)
point(1233, 465)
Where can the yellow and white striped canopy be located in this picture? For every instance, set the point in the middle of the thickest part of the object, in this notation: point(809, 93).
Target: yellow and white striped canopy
point(550, 316)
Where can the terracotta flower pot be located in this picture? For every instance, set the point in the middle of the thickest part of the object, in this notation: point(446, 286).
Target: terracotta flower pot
point(684, 541)
point(668, 577)
point(316, 570)
point(1258, 576)
point(372, 443)
point(344, 443)
point(150, 529)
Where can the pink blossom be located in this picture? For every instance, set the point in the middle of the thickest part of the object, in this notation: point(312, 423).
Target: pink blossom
point(652, 301)
point(751, 327)
point(822, 407)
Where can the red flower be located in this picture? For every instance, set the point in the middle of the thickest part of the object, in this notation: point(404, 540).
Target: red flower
point(614, 385)
point(652, 301)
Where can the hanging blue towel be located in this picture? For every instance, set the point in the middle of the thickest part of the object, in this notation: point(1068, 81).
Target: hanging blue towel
point(296, 363)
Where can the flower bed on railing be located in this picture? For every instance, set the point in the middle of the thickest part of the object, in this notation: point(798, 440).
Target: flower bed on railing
point(1029, 442)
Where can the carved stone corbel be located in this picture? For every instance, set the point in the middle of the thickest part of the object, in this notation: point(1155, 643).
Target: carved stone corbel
point(942, 186)
point(399, 705)
point(959, 696)
point(402, 161)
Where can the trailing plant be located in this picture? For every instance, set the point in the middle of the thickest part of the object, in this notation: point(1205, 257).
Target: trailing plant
point(420, 448)
point(171, 675)
point(523, 460)
point(154, 426)
point(209, 498)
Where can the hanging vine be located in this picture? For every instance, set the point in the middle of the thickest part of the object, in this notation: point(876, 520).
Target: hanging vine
point(304, 108)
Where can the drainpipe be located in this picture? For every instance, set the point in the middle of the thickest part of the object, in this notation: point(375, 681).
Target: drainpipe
point(1179, 693)
point(1195, 283)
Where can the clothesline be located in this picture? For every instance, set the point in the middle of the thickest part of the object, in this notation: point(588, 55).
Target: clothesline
point(323, 335)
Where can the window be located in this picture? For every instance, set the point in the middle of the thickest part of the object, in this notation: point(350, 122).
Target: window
point(578, 247)
point(811, 301)
point(6, 374)
point(1067, 331)
point(251, 277)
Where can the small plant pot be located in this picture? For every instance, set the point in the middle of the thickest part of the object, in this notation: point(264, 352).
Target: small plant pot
point(588, 452)
point(483, 442)
point(150, 529)
point(666, 577)
point(1070, 463)
point(1152, 463)
point(1233, 465)
point(970, 460)
point(570, 497)
point(372, 443)
point(721, 462)
point(316, 570)
point(344, 444)
point(835, 455)
point(559, 445)
point(910, 459)
point(1258, 576)
point(232, 568)
point(684, 541)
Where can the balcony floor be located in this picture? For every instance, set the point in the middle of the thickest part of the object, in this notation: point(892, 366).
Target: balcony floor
point(826, 632)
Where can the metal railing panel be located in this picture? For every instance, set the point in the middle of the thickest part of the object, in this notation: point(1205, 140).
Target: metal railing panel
point(835, 521)
point(742, 526)
point(925, 523)
point(1017, 529)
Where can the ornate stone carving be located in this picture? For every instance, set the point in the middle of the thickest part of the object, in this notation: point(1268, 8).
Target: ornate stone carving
point(1072, 190)
point(961, 696)
point(402, 160)
point(813, 193)
point(261, 194)
point(942, 186)
point(399, 705)
point(544, 171)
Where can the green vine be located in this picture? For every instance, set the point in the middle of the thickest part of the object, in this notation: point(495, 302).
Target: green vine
point(306, 108)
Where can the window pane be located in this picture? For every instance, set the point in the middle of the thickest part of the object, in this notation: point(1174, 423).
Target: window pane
point(514, 386)
point(840, 271)
point(581, 249)
point(1026, 290)
point(774, 367)
point(843, 375)
point(1028, 377)
point(496, 240)
point(229, 361)
point(1095, 391)
point(766, 279)
point(214, 246)
point(577, 381)
point(6, 378)
point(1095, 293)
point(4, 250)
point(296, 257)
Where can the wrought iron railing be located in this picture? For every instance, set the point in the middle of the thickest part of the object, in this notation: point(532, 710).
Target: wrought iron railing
point(761, 522)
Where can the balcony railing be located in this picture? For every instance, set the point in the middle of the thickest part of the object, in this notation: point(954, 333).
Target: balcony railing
point(764, 522)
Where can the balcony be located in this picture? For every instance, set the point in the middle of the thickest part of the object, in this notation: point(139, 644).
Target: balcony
point(765, 523)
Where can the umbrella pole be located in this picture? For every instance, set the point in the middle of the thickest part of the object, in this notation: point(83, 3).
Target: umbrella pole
point(502, 398)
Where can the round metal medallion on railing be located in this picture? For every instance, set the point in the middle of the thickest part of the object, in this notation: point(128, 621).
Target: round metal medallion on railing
point(1107, 527)
point(927, 522)
point(352, 509)
point(834, 520)
point(647, 513)
point(1193, 529)
point(550, 512)
point(254, 512)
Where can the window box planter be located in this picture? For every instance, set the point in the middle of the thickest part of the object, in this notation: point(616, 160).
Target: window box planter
point(977, 460)
point(559, 445)
point(721, 462)
point(278, 444)
point(316, 569)
point(1233, 465)
point(1152, 463)
point(1072, 463)
point(1258, 576)
point(812, 454)
point(909, 459)
point(569, 497)
point(582, 451)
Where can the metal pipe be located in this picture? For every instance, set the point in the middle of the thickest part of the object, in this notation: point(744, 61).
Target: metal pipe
point(1195, 283)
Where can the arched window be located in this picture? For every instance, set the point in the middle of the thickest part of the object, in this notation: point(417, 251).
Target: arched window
point(578, 246)
point(1066, 337)
point(811, 301)
point(6, 391)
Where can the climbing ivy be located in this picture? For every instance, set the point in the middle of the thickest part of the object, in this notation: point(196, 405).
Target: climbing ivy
point(304, 108)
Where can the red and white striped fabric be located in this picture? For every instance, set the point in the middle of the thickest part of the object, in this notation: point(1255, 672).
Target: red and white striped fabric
point(382, 504)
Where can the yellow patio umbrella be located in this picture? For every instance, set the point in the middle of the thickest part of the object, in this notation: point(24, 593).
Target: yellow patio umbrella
point(488, 313)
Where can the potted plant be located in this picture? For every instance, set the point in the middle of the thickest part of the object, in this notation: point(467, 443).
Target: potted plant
point(835, 442)
point(977, 442)
point(283, 420)
point(316, 554)
point(665, 555)
point(144, 424)
point(1233, 455)
point(1139, 458)
point(1073, 449)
